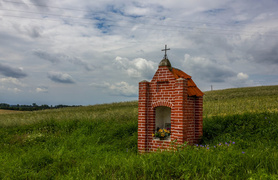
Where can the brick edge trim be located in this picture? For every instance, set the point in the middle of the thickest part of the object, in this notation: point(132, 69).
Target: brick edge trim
point(162, 103)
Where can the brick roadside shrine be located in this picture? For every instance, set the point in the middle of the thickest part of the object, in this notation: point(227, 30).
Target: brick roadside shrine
point(170, 108)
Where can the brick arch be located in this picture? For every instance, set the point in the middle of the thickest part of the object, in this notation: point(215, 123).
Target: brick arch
point(162, 103)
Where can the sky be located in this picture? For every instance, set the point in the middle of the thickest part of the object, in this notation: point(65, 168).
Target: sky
point(79, 52)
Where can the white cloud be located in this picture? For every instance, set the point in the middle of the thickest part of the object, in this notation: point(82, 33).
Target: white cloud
point(42, 89)
point(11, 80)
point(241, 80)
point(242, 76)
point(136, 68)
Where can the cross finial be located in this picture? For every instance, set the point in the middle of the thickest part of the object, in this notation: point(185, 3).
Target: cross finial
point(165, 49)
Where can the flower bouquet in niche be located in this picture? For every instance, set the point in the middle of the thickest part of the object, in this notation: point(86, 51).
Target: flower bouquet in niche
point(162, 133)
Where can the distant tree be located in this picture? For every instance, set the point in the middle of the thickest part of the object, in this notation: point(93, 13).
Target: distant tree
point(44, 106)
point(4, 105)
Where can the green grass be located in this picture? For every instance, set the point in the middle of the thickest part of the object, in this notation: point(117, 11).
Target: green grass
point(241, 100)
point(100, 142)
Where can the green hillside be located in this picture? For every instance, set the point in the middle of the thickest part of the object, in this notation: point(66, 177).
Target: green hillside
point(100, 142)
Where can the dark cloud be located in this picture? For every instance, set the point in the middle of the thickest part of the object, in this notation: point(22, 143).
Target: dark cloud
point(207, 70)
point(11, 72)
point(60, 77)
point(47, 56)
point(262, 49)
point(57, 58)
point(265, 55)
point(79, 62)
point(40, 4)
point(215, 74)
point(34, 32)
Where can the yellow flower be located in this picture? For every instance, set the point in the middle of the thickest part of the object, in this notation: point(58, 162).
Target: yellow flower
point(153, 135)
point(162, 134)
point(160, 130)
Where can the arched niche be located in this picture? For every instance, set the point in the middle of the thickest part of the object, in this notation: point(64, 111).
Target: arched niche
point(162, 117)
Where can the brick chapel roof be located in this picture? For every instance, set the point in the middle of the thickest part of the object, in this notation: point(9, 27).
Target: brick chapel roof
point(193, 90)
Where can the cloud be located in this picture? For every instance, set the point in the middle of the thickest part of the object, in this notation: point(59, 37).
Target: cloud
point(10, 84)
point(58, 58)
point(262, 49)
point(242, 76)
point(241, 80)
point(119, 89)
point(42, 89)
point(40, 3)
point(136, 68)
point(47, 56)
point(34, 32)
point(229, 43)
point(15, 90)
point(11, 71)
point(206, 69)
point(61, 77)
point(11, 80)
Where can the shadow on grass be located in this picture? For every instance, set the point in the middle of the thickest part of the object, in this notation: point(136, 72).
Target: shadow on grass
point(251, 127)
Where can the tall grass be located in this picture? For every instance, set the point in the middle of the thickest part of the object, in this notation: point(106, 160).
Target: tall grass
point(242, 100)
point(100, 142)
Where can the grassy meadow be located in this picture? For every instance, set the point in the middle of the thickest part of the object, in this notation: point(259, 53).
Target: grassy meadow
point(100, 141)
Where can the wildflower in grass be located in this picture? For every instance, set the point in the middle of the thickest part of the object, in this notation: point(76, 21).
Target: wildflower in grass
point(243, 152)
point(226, 143)
point(219, 144)
point(214, 146)
point(197, 145)
point(207, 147)
point(233, 142)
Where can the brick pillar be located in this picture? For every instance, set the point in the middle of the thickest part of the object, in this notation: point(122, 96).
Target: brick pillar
point(178, 123)
point(198, 119)
point(150, 126)
point(190, 120)
point(143, 116)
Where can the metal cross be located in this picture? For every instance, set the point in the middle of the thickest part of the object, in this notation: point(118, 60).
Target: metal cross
point(165, 56)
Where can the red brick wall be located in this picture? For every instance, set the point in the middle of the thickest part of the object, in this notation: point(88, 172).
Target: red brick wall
point(142, 115)
point(186, 112)
point(198, 119)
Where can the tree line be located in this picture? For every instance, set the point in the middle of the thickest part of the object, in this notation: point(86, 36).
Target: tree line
point(33, 107)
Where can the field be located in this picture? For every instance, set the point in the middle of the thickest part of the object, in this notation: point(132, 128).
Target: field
point(100, 142)
point(2, 111)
